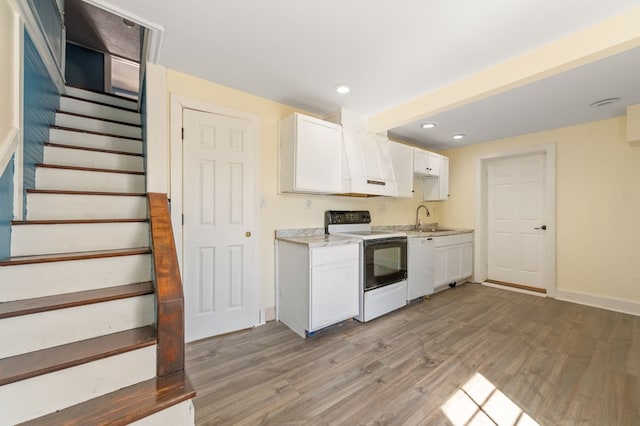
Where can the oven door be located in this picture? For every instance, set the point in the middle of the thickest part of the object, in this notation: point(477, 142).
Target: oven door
point(385, 261)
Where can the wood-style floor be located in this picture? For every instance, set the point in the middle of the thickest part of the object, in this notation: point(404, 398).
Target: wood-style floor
point(469, 355)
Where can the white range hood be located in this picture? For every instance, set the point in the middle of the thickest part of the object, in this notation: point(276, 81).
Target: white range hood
point(367, 169)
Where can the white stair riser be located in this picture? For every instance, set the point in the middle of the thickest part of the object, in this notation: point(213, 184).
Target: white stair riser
point(88, 140)
point(46, 279)
point(93, 125)
point(98, 97)
point(35, 397)
point(182, 414)
point(78, 106)
point(28, 240)
point(70, 206)
point(97, 160)
point(33, 332)
point(81, 180)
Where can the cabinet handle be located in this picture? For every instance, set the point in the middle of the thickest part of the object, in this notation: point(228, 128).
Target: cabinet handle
point(543, 227)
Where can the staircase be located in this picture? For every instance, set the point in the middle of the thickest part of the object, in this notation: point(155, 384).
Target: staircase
point(77, 302)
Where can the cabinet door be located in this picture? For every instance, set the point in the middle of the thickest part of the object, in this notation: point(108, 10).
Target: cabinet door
point(402, 158)
point(420, 161)
point(440, 266)
point(437, 188)
point(454, 263)
point(434, 164)
point(334, 293)
point(467, 260)
point(318, 156)
point(443, 180)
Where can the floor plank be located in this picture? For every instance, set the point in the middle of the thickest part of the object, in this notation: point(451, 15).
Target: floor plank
point(556, 362)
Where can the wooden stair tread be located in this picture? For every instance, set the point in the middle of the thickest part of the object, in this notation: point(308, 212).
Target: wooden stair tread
point(69, 300)
point(32, 364)
point(65, 192)
point(125, 405)
point(88, 169)
point(73, 129)
point(83, 148)
point(132, 109)
point(74, 221)
point(91, 117)
point(63, 257)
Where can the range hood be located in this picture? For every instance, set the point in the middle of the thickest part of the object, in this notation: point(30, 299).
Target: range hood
point(367, 168)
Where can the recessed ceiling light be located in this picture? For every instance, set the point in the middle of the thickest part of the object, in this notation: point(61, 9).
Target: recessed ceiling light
point(458, 136)
point(342, 89)
point(429, 125)
point(603, 102)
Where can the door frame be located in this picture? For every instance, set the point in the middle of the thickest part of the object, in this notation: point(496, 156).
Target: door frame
point(481, 241)
point(178, 104)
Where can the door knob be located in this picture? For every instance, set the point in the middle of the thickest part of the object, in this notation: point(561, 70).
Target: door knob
point(247, 234)
point(543, 227)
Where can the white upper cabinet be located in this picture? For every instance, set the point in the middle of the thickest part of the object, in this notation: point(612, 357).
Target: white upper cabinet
point(402, 158)
point(426, 163)
point(436, 188)
point(310, 155)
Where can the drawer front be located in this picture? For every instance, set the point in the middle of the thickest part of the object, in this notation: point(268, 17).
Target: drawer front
point(448, 240)
point(334, 254)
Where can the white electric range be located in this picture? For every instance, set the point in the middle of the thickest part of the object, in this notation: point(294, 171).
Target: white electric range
point(383, 262)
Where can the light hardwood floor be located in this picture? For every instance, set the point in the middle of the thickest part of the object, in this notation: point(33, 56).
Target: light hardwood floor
point(519, 357)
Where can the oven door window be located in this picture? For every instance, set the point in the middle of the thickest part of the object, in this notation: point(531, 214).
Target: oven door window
point(385, 262)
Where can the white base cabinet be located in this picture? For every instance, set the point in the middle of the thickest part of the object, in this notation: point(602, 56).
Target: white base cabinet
point(316, 287)
point(453, 259)
point(420, 267)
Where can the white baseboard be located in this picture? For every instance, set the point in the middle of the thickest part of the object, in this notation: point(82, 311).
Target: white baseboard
point(609, 303)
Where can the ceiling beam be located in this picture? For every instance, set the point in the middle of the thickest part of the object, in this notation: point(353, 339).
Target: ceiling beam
point(608, 38)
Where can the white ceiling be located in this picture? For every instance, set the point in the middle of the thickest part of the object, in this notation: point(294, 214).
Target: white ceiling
point(390, 51)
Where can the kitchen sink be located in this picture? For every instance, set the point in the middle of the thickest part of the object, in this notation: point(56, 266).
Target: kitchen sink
point(434, 229)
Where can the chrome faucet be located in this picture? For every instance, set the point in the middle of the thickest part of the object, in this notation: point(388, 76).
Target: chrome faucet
point(418, 215)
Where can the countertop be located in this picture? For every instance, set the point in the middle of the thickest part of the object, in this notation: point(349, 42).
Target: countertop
point(315, 237)
point(413, 233)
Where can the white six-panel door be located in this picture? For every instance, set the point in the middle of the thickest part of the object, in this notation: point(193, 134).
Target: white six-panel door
point(515, 209)
point(220, 272)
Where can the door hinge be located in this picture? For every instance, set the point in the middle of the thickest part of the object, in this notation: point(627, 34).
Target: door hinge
point(183, 133)
point(182, 220)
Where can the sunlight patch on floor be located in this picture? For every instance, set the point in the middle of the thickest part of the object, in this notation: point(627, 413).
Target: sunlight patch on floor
point(479, 402)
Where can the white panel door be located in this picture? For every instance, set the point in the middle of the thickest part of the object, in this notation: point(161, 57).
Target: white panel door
point(515, 216)
point(220, 252)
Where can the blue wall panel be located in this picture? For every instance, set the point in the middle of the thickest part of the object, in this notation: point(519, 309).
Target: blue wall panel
point(41, 100)
point(6, 209)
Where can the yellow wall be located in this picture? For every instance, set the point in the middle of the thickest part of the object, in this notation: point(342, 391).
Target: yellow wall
point(280, 211)
point(8, 85)
point(597, 204)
